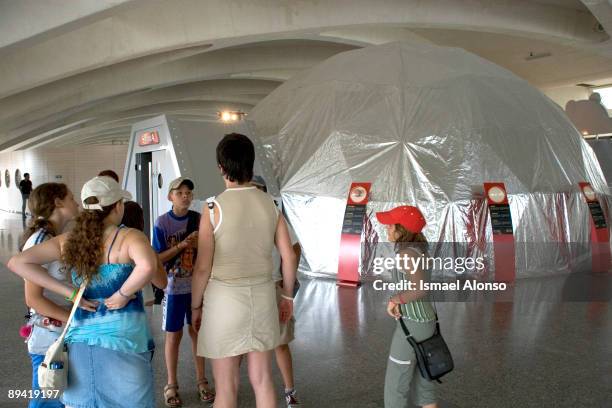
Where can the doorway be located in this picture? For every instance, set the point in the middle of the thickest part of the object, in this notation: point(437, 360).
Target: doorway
point(143, 188)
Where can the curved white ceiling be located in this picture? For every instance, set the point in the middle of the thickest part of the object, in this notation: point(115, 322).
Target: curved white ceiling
point(91, 68)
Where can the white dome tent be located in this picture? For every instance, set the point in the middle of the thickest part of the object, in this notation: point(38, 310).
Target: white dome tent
point(427, 125)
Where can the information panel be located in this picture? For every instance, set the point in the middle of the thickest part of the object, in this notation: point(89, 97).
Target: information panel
point(598, 216)
point(353, 219)
point(503, 235)
point(350, 239)
point(501, 220)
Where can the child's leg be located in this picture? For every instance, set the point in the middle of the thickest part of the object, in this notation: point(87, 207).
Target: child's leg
point(282, 352)
point(172, 324)
point(285, 364)
point(199, 361)
point(206, 393)
point(173, 341)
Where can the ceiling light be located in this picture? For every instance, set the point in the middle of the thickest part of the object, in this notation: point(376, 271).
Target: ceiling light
point(230, 116)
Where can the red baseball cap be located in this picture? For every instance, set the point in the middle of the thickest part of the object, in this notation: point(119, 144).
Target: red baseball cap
point(407, 216)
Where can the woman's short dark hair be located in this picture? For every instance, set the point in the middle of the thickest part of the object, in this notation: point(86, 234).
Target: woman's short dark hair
point(236, 156)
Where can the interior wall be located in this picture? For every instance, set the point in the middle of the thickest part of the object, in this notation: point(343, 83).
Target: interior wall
point(72, 166)
point(603, 151)
point(562, 95)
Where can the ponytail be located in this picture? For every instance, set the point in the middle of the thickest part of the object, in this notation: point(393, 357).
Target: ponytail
point(42, 204)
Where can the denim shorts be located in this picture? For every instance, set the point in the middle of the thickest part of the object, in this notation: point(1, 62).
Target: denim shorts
point(103, 378)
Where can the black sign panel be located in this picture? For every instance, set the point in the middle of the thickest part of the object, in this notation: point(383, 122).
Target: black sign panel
point(598, 217)
point(353, 219)
point(501, 221)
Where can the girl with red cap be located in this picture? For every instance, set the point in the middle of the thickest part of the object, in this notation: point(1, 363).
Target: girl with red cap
point(402, 380)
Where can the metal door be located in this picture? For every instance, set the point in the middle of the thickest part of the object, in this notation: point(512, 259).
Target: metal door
point(163, 173)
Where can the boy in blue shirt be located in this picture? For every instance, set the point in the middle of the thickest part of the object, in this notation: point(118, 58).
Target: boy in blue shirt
point(175, 239)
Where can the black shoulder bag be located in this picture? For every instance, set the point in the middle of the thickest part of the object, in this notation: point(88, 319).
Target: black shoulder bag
point(433, 356)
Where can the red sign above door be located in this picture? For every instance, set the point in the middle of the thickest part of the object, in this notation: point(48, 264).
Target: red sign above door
point(148, 138)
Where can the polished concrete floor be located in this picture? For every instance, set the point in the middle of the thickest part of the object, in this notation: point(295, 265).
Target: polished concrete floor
point(526, 353)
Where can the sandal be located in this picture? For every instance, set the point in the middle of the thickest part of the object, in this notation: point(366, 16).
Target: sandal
point(171, 396)
point(205, 393)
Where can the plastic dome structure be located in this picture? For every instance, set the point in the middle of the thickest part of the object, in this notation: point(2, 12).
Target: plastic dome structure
point(427, 126)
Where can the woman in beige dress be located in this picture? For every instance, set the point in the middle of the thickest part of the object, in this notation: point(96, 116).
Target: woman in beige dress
point(233, 295)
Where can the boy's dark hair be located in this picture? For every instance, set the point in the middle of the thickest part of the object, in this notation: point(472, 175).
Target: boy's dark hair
point(26, 174)
point(236, 156)
point(133, 216)
point(109, 173)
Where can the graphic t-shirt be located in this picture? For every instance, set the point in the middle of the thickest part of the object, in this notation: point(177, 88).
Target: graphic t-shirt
point(168, 231)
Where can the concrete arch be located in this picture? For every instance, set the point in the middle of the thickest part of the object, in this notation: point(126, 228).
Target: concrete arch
point(136, 31)
point(87, 129)
point(139, 75)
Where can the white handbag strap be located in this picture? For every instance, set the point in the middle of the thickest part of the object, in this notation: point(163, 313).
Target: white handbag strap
point(75, 306)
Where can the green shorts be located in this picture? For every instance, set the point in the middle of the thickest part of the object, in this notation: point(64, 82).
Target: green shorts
point(403, 380)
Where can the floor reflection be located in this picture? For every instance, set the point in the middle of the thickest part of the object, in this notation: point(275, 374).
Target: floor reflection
point(548, 346)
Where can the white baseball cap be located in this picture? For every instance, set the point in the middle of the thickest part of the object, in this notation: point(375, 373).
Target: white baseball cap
point(105, 189)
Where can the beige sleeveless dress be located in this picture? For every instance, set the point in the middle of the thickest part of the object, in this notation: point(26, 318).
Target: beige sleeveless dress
point(240, 314)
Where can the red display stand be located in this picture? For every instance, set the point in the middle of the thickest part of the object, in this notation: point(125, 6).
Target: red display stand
point(350, 240)
point(600, 235)
point(503, 234)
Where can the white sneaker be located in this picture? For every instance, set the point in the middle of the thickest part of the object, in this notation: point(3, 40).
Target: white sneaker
point(292, 400)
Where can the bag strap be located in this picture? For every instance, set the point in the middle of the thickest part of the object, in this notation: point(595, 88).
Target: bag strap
point(60, 340)
point(404, 328)
point(75, 306)
point(407, 332)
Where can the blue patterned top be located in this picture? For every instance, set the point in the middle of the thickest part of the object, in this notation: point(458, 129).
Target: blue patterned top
point(125, 329)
